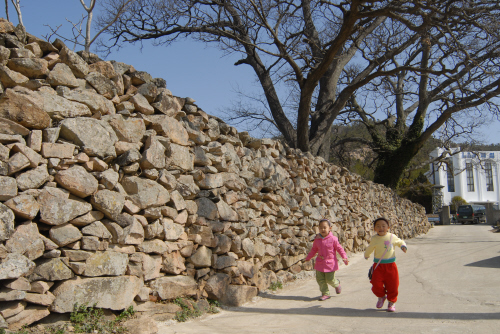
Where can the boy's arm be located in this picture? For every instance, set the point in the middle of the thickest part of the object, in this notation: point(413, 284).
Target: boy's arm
point(369, 250)
point(399, 242)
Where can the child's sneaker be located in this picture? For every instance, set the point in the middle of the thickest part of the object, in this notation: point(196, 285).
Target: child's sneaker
point(391, 307)
point(338, 289)
point(381, 301)
point(324, 297)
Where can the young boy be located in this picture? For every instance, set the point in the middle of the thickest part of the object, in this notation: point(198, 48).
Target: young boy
point(385, 278)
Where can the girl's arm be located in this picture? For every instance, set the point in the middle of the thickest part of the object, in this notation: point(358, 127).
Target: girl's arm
point(338, 247)
point(313, 251)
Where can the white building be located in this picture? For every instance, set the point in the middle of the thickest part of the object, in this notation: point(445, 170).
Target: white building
point(472, 176)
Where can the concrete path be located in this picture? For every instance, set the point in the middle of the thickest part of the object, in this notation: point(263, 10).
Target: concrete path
point(449, 283)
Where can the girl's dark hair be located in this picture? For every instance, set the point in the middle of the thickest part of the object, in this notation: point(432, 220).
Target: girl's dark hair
point(325, 220)
point(381, 218)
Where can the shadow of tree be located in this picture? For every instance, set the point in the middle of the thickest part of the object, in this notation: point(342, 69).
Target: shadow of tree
point(493, 262)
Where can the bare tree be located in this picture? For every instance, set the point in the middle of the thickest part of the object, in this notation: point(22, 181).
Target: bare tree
point(329, 51)
point(17, 6)
point(85, 38)
point(7, 9)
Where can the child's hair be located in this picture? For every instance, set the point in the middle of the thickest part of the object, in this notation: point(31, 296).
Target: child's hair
point(325, 220)
point(381, 218)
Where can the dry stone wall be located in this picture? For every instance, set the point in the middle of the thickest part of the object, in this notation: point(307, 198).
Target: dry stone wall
point(114, 191)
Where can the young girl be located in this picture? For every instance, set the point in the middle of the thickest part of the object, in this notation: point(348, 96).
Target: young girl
point(385, 278)
point(326, 245)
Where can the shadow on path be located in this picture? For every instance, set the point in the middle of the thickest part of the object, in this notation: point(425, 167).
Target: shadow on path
point(370, 313)
point(281, 297)
point(493, 262)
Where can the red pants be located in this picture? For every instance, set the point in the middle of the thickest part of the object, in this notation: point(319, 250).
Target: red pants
point(385, 281)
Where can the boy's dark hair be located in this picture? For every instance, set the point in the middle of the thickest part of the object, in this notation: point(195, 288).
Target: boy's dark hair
point(325, 220)
point(381, 218)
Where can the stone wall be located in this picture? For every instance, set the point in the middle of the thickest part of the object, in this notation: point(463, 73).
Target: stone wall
point(114, 190)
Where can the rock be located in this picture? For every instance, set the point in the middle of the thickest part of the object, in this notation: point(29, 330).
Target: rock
point(128, 129)
point(102, 85)
point(77, 181)
point(133, 234)
point(28, 316)
point(59, 108)
point(211, 181)
point(24, 206)
point(248, 247)
point(41, 286)
point(201, 258)
point(237, 295)
point(149, 91)
point(23, 239)
point(56, 211)
point(12, 128)
point(225, 212)
point(10, 78)
point(10, 309)
point(63, 235)
point(6, 222)
point(33, 68)
point(181, 158)
point(33, 179)
point(18, 284)
point(97, 229)
point(177, 200)
point(217, 285)
point(106, 264)
point(151, 266)
point(61, 151)
point(145, 193)
point(87, 218)
point(95, 102)
point(103, 67)
point(35, 298)
point(141, 104)
point(14, 266)
point(224, 262)
point(108, 202)
point(7, 295)
point(171, 287)
point(96, 137)
point(75, 62)
point(17, 163)
point(18, 105)
point(51, 270)
point(172, 230)
point(245, 268)
point(61, 75)
point(166, 103)
point(153, 155)
point(153, 246)
point(206, 208)
point(173, 263)
point(104, 292)
point(34, 158)
point(170, 128)
point(8, 188)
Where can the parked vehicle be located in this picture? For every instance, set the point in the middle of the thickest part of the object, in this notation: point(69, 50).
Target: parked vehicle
point(474, 214)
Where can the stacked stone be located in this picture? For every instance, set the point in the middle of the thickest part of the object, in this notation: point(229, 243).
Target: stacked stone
point(117, 191)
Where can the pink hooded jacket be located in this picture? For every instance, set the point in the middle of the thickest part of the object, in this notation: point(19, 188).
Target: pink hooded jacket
point(326, 247)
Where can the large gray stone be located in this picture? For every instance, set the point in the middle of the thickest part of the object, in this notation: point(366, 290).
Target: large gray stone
point(106, 264)
point(104, 292)
point(24, 206)
point(63, 235)
point(79, 66)
point(6, 222)
point(96, 103)
point(237, 295)
point(25, 107)
point(171, 287)
point(170, 128)
point(56, 210)
point(15, 266)
point(202, 258)
point(96, 137)
point(127, 129)
point(61, 75)
point(145, 193)
point(8, 188)
point(181, 158)
point(97, 229)
point(108, 202)
point(28, 316)
point(59, 108)
point(33, 179)
point(77, 180)
point(51, 270)
point(153, 155)
point(206, 208)
point(33, 68)
point(172, 230)
point(23, 239)
point(217, 285)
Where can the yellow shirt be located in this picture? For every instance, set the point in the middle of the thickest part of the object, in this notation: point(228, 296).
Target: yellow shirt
point(379, 245)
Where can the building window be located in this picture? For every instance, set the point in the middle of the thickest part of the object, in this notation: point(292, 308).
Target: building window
point(489, 176)
point(470, 176)
point(451, 179)
point(483, 155)
point(492, 155)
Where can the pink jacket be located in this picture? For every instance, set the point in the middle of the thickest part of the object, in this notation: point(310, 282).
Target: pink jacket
point(326, 247)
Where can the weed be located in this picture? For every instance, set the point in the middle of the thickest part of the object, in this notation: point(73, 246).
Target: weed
point(87, 319)
point(188, 311)
point(213, 306)
point(275, 286)
point(21, 331)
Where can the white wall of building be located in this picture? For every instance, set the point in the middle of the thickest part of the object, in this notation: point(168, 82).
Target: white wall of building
point(438, 176)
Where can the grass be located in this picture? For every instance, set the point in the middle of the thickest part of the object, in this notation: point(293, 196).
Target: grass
point(87, 319)
point(275, 286)
point(213, 306)
point(189, 310)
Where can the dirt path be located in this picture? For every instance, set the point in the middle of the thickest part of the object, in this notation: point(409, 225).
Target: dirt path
point(450, 283)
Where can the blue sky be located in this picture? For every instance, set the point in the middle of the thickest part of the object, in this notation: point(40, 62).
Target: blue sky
point(190, 69)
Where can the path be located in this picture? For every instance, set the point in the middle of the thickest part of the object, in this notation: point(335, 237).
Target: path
point(450, 283)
